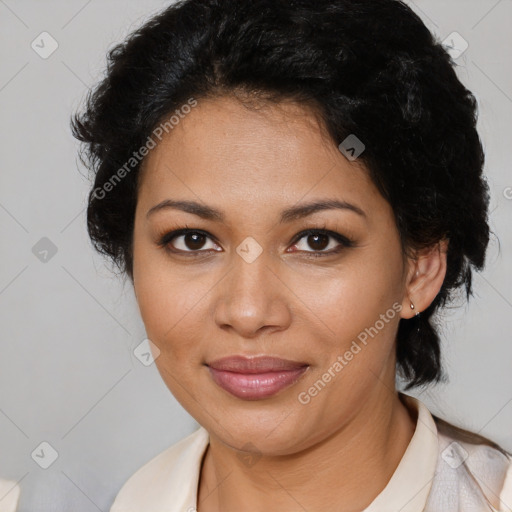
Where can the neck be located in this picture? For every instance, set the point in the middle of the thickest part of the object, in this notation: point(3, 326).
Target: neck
point(350, 468)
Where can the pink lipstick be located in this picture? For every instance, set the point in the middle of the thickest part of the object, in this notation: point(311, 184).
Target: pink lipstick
point(255, 378)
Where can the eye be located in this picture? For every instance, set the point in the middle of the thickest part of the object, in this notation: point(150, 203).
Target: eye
point(195, 242)
point(318, 240)
point(188, 241)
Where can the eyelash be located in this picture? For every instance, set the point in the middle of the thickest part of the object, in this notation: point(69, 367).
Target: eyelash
point(345, 242)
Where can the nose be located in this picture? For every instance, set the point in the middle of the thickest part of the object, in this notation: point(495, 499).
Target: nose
point(252, 298)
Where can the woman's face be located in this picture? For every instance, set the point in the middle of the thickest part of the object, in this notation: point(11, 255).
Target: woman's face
point(242, 283)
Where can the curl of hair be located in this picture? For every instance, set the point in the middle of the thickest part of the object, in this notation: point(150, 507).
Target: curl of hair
point(367, 68)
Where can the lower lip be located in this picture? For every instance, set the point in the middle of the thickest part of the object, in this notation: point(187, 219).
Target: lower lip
point(256, 386)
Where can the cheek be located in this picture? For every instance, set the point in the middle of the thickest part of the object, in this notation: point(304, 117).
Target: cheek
point(169, 305)
point(354, 297)
point(166, 303)
point(156, 296)
point(172, 303)
point(361, 306)
point(363, 313)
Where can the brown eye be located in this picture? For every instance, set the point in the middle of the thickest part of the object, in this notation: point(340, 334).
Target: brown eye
point(194, 241)
point(188, 241)
point(317, 241)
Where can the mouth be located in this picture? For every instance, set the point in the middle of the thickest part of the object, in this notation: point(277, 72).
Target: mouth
point(255, 378)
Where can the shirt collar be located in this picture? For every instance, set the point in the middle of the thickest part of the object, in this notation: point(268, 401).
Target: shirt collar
point(407, 490)
point(410, 485)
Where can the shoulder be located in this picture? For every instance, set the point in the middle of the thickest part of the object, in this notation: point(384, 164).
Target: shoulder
point(166, 479)
point(506, 492)
point(474, 469)
point(10, 495)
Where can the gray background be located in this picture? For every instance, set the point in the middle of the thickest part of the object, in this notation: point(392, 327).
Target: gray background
point(68, 374)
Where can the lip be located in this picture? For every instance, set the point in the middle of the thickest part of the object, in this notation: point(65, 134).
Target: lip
point(255, 378)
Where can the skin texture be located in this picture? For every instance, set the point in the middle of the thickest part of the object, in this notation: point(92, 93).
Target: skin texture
point(344, 445)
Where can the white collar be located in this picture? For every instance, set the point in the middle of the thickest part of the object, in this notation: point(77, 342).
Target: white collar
point(170, 480)
point(409, 487)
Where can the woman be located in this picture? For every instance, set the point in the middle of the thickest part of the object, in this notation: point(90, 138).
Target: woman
point(295, 189)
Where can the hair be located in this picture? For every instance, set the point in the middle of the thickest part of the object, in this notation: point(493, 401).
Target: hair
point(466, 436)
point(372, 69)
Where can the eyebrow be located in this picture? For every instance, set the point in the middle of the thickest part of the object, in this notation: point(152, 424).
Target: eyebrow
point(288, 215)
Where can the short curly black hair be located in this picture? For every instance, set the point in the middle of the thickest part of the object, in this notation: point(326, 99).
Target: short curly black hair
point(370, 68)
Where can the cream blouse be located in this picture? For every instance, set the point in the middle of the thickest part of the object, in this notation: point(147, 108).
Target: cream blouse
point(437, 473)
point(9, 495)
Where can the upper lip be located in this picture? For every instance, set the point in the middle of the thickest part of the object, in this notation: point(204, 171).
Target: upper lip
point(259, 364)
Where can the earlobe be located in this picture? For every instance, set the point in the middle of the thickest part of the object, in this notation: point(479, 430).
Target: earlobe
point(425, 279)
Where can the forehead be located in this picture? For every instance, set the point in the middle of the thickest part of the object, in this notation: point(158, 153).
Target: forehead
point(268, 154)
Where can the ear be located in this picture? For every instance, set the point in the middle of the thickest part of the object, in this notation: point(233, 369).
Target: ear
point(425, 276)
